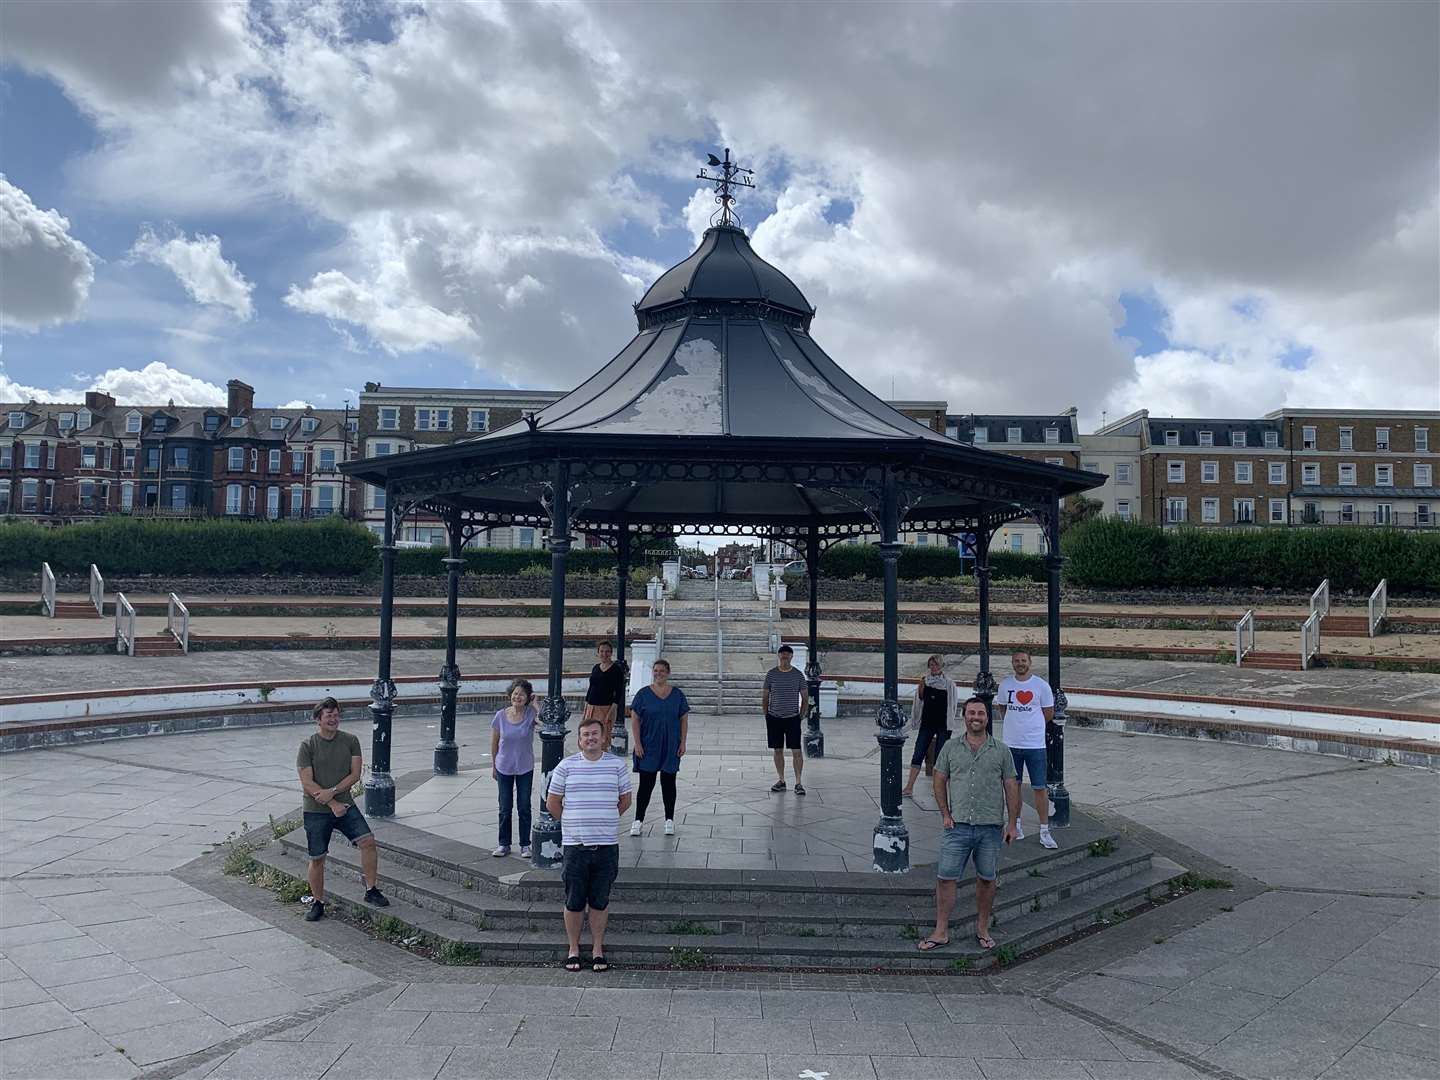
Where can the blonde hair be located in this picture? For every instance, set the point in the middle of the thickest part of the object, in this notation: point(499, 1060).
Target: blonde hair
point(935, 658)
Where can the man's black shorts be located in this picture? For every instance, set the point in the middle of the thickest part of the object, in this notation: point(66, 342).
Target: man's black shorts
point(589, 872)
point(318, 828)
point(782, 731)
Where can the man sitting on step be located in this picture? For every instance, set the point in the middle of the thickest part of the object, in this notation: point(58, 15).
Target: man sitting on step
point(783, 701)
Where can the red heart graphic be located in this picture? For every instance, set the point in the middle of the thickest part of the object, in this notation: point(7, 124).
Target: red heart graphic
point(1024, 697)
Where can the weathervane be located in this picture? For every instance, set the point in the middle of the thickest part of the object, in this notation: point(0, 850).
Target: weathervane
point(731, 176)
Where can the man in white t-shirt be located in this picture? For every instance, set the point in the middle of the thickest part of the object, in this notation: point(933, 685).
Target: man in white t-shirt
point(1026, 705)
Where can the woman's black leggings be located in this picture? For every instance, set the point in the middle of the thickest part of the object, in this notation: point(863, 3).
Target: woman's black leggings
point(667, 794)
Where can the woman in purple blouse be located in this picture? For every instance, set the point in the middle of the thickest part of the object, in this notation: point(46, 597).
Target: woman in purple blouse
point(512, 749)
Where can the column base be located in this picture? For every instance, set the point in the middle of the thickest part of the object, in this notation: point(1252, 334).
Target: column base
point(814, 743)
point(892, 847)
point(620, 739)
point(447, 759)
point(380, 794)
point(546, 851)
point(1060, 799)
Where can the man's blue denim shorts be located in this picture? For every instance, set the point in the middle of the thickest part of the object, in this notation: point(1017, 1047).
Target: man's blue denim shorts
point(1033, 759)
point(959, 843)
point(318, 828)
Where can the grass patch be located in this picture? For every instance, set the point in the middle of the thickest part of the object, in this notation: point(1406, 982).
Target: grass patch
point(280, 828)
point(1191, 880)
point(807, 931)
point(961, 963)
point(1006, 955)
point(1034, 871)
point(1102, 847)
point(910, 933)
point(459, 953)
point(687, 959)
point(690, 928)
point(389, 927)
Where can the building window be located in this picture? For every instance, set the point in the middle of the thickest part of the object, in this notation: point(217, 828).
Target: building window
point(180, 457)
point(430, 420)
point(7, 456)
point(272, 503)
point(277, 423)
point(106, 462)
point(235, 421)
point(177, 496)
point(327, 461)
point(17, 419)
point(480, 422)
point(50, 455)
point(1172, 438)
point(67, 421)
point(1382, 438)
point(1012, 434)
point(29, 496)
point(325, 499)
point(1209, 472)
point(527, 538)
point(309, 424)
point(1272, 440)
point(152, 458)
point(127, 497)
point(1423, 475)
point(1277, 472)
point(127, 459)
point(352, 425)
point(4, 496)
point(1384, 475)
point(87, 457)
point(1122, 509)
point(1307, 437)
point(1210, 511)
point(1310, 513)
point(1207, 438)
point(161, 423)
point(132, 423)
point(232, 499)
point(1384, 514)
point(87, 494)
point(275, 457)
point(381, 449)
point(32, 455)
point(1237, 438)
point(252, 500)
point(1277, 511)
point(1122, 473)
point(1310, 473)
point(1422, 514)
point(377, 498)
point(1175, 510)
point(1347, 474)
point(1052, 435)
point(982, 435)
point(297, 461)
point(389, 418)
point(236, 459)
point(1175, 472)
point(1347, 438)
point(1244, 472)
point(1347, 513)
point(297, 500)
point(49, 496)
point(1422, 440)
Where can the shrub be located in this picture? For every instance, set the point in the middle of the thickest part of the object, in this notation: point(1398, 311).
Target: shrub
point(847, 562)
point(505, 562)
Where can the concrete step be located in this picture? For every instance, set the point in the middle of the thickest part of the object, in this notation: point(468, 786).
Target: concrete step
point(1272, 661)
point(76, 609)
point(158, 645)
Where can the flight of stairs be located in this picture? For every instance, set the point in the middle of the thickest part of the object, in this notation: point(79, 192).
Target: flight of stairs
point(1273, 661)
point(76, 609)
point(1346, 625)
point(161, 644)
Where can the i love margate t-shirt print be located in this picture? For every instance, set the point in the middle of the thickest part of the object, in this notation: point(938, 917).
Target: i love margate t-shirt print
point(1024, 718)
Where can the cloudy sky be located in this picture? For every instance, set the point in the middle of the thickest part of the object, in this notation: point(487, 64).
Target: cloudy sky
point(1203, 210)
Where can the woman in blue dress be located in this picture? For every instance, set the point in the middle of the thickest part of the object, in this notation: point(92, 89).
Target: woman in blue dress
point(659, 722)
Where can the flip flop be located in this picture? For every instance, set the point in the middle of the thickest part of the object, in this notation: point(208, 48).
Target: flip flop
point(572, 963)
point(985, 942)
point(599, 963)
point(930, 944)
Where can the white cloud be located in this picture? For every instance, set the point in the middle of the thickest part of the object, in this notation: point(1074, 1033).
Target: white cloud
point(154, 384)
point(46, 272)
point(207, 276)
point(394, 322)
point(296, 404)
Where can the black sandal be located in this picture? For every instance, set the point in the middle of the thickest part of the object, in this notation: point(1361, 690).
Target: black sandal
point(599, 963)
point(572, 963)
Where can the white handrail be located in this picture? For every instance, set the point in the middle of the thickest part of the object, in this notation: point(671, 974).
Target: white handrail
point(1320, 599)
point(1244, 636)
point(182, 635)
point(770, 634)
point(97, 590)
point(660, 630)
point(1379, 606)
point(124, 625)
point(47, 588)
point(1310, 640)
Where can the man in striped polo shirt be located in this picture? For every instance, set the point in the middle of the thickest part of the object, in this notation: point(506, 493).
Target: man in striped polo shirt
point(588, 793)
point(783, 701)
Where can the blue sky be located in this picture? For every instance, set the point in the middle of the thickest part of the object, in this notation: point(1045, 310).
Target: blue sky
point(313, 197)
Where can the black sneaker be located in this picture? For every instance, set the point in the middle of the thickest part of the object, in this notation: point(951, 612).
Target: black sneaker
point(799, 788)
point(316, 912)
point(376, 898)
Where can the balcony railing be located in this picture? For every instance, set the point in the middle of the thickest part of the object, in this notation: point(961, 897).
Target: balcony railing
point(1398, 519)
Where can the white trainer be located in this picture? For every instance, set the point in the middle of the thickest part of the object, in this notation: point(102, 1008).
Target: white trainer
point(1046, 840)
point(635, 828)
point(1019, 830)
point(669, 827)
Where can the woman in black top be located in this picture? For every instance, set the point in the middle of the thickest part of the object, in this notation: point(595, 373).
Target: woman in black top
point(607, 689)
point(931, 712)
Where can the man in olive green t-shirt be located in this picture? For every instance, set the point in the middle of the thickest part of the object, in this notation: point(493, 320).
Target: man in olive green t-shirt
point(329, 763)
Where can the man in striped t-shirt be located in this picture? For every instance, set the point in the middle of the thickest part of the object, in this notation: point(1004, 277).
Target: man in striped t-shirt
point(588, 793)
point(783, 701)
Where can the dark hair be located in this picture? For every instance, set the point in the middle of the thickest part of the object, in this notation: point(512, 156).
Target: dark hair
point(975, 701)
point(588, 721)
point(786, 648)
point(603, 644)
point(325, 703)
point(521, 684)
point(662, 660)
point(1022, 649)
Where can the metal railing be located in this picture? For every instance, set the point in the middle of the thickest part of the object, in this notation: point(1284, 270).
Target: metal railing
point(177, 614)
point(97, 590)
point(47, 588)
point(1244, 636)
point(1310, 640)
point(1379, 607)
point(719, 647)
point(124, 625)
point(770, 633)
point(1320, 599)
point(1400, 519)
point(660, 630)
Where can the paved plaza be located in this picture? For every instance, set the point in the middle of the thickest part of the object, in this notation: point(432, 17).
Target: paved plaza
point(127, 952)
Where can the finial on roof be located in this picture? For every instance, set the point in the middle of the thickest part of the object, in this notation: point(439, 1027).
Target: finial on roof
point(531, 421)
point(730, 176)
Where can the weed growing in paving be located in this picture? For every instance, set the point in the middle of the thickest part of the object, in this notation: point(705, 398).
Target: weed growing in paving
point(910, 933)
point(1035, 904)
point(467, 883)
point(1006, 954)
point(457, 953)
point(389, 927)
point(690, 928)
point(1191, 880)
point(1104, 846)
point(961, 963)
point(1226, 907)
point(239, 857)
point(807, 931)
point(279, 829)
point(687, 958)
point(1034, 871)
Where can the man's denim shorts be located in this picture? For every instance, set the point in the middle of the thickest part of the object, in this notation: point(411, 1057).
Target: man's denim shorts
point(589, 872)
point(318, 828)
point(959, 843)
point(1032, 758)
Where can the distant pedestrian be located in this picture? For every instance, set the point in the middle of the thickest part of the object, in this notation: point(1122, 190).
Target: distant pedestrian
point(783, 701)
point(512, 756)
point(660, 719)
point(588, 792)
point(978, 797)
point(329, 763)
point(1027, 705)
point(607, 689)
point(932, 712)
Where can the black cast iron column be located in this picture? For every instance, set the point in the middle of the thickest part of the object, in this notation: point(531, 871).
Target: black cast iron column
point(380, 785)
point(620, 733)
point(814, 737)
point(985, 685)
point(545, 847)
point(447, 753)
point(1055, 731)
point(892, 838)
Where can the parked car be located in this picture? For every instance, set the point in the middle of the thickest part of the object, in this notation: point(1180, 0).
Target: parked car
point(794, 566)
point(700, 572)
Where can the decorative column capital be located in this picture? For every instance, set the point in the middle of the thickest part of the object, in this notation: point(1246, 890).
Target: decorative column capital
point(383, 692)
point(985, 685)
point(450, 677)
point(553, 714)
point(890, 717)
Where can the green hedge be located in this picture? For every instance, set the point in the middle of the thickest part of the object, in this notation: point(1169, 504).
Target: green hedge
point(1110, 553)
point(504, 561)
point(845, 561)
point(121, 545)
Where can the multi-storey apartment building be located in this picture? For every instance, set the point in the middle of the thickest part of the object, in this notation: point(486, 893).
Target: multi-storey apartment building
point(64, 462)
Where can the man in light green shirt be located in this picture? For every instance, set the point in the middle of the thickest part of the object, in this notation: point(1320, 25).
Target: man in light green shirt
point(979, 799)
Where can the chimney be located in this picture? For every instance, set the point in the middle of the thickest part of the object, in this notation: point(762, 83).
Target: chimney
point(240, 399)
point(95, 401)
